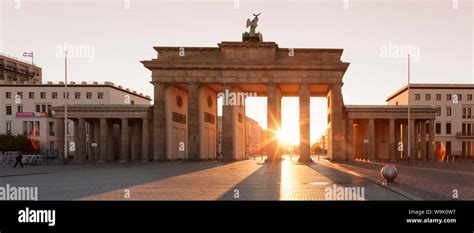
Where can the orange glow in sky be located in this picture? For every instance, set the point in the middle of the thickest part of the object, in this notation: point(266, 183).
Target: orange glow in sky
point(289, 132)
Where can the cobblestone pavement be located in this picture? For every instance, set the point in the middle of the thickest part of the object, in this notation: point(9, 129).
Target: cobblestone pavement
point(243, 180)
point(430, 180)
point(212, 180)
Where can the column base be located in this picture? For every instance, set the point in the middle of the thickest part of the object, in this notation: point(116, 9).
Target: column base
point(304, 159)
point(274, 159)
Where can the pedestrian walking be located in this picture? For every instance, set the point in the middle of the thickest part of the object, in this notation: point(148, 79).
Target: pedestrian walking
point(19, 159)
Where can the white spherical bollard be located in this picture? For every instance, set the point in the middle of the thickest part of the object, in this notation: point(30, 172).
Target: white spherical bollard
point(389, 173)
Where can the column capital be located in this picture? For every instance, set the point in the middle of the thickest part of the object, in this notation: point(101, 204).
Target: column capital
point(304, 87)
point(336, 85)
point(273, 84)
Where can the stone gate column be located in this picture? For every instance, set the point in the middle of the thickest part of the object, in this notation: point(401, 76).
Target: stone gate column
point(159, 123)
point(145, 140)
point(423, 140)
point(81, 142)
point(413, 139)
point(96, 139)
point(273, 121)
point(431, 142)
point(91, 139)
point(103, 140)
point(350, 148)
point(228, 125)
point(134, 140)
point(194, 126)
point(125, 141)
point(336, 130)
point(304, 104)
point(76, 138)
point(372, 139)
point(392, 145)
point(110, 140)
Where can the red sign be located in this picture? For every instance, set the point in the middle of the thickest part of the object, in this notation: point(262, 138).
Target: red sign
point(30, 114)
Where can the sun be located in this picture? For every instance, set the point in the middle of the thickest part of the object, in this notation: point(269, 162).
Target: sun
point(289, 136)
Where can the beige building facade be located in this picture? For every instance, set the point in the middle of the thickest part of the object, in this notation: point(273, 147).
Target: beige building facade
point(27, 108)
point(378, 132)
point(454, 124)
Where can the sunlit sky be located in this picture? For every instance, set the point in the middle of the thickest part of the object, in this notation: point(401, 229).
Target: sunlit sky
point(121, 33)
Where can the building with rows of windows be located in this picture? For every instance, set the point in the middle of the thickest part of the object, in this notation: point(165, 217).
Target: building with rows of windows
point(25, 107)
point(15, 70)
point(454, 125)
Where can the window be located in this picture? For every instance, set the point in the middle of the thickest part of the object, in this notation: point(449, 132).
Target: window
point(77, 95)
point(51, 128)
point(38, 108)
point(54, 95)
point(19, 108)
point(438, 96)
point(427, 97)
point(88, 95)
point(19, 95)
point(43, 95)
point(100, 95)
point(65, 94)
point(49, 111)
point(448, 111)
point(438, 111)
point(9, 127)
point(448, 97)
point(8, 110)
point(417, 96)
point(31, 95)
point(448, 128)
point(459, 97)
point(43, 108)
point(469, 97)
point(8, 95)
point(179, 118)
point(469, 112)
point(438, 128)
point(463, 113)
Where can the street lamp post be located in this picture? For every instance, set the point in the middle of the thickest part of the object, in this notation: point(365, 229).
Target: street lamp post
point(65, 109)
point(409, 117)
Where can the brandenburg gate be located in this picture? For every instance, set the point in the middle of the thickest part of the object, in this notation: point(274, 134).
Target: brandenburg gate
point(182, 123)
